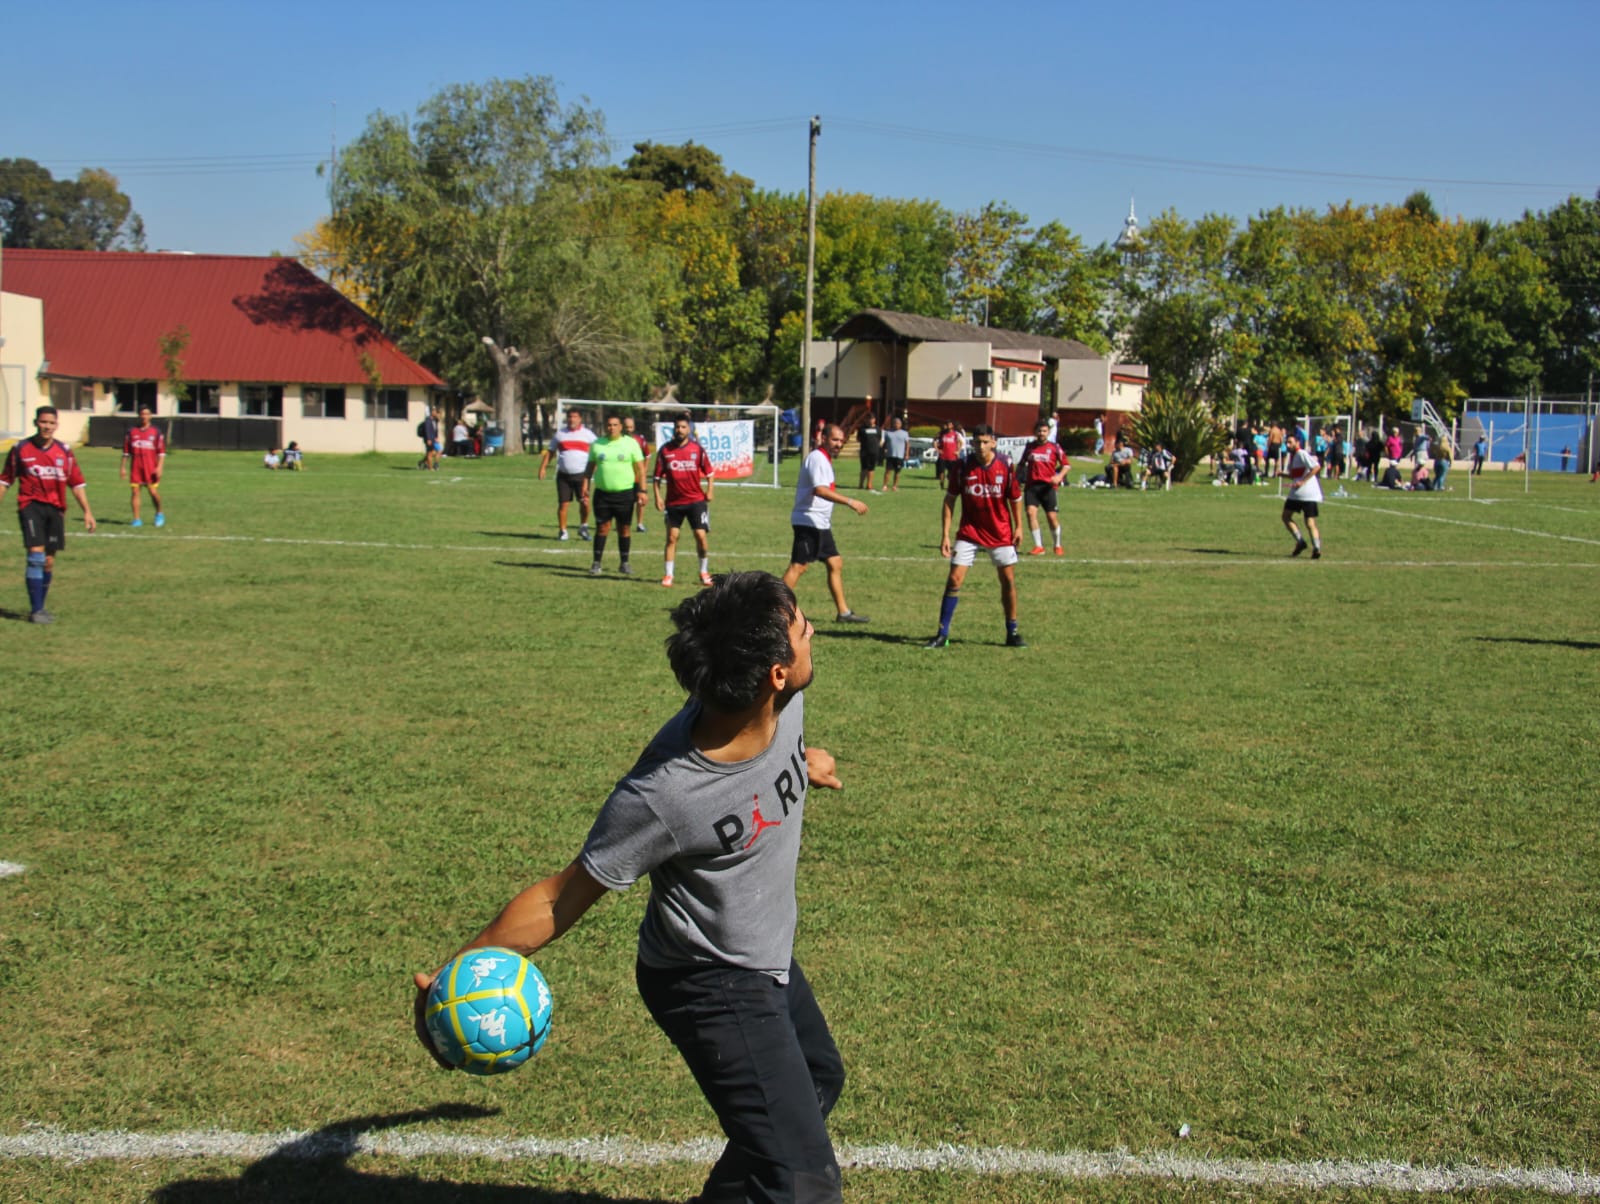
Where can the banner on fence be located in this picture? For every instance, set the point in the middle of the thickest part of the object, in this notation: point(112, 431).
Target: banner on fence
point(730, 446)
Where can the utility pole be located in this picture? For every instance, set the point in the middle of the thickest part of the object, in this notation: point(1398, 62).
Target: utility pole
point(811, 278)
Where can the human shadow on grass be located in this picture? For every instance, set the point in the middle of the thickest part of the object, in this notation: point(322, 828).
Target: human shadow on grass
point(516, 535)
point(20, 616)
point(317, 1168)
point(1211, 551)
point(1580, 645)
point(828, 629)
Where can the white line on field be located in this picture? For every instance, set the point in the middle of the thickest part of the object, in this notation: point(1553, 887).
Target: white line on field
point(10, 869)
point(1461, 522)
point(56, 1145)
point(581, 549)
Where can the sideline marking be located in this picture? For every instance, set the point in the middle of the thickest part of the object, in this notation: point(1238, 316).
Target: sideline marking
point(10, 869)
point(57, 1145)
point(584, 549)
point(1461, 522)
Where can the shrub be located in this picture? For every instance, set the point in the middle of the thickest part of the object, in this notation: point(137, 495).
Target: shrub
point(1188, 429)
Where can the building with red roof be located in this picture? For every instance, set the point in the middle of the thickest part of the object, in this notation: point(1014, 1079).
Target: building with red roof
point(273, 353)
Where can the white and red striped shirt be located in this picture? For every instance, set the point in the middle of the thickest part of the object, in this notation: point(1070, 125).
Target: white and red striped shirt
point(571, 449)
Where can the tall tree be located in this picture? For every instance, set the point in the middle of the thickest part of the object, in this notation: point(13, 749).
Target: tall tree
point(1050, 285)
point(985, 243)
point(89, 213)
point(1567, 239)
point(491, 243)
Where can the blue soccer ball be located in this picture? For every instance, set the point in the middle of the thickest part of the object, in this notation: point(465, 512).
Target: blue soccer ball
point(489, 1011)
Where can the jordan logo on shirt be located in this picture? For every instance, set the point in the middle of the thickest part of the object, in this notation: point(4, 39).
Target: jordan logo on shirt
point(761, 824)
point(789, 786)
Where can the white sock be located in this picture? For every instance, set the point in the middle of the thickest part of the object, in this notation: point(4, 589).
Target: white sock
point(1037, 542)
point(668, 573)
point(705, 564)
point(1058, 536)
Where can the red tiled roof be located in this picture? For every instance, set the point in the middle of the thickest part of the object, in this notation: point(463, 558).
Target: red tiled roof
point(250, 319)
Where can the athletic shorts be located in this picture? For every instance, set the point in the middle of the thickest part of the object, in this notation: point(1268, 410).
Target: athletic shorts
point(614, 504)
point(43, 526)
point(811, 544)
point(138, 474)
point(1309, 509)
point(869, 460)
point(569, 486)
point(965, 553)
point(698, 514)
point(1040, 495)
point(893, 463)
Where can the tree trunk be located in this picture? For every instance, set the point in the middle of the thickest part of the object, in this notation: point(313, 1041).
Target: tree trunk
point(506, 410)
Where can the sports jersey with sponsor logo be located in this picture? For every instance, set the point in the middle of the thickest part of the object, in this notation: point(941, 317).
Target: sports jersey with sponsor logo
point(949, 445)
point(1303, 472)
point(1041, 460)
point(571, 449)
point(613, 461)
point(985, 493)
point(719, 841)
point(144, 449)
point(683, 469)
point(42, 474)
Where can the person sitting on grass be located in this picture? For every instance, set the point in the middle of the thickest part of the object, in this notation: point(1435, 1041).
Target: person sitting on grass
point(272, 459)
point(292, 459)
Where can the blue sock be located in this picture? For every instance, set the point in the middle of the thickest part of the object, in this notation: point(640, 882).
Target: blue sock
point(34, 576)
point(1011, 627)
point(947, 611)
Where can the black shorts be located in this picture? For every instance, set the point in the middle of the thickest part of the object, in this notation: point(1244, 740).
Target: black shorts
point(869, 460)
point(618, 505)
point(893, 463)
point(698, 514)
point(43, 526)
point(569, 486)
point(1309, 509)
point(1041, 495)
point(812, 544)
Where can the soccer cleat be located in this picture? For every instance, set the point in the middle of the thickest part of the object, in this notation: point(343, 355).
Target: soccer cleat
point(705, 579)
point(1299, 547)
point(850, 616)
point(639, 527)
point(1037, 551)
point(1015, 640)
point(138, 522)
point(563, 536)
point(583, 530)
point(626, 569)
point(1059, 552)
point(161, 519)
point(594, 569)
point(666, 582)
point(41, 616)
point(1316, 553)
point(939, 641)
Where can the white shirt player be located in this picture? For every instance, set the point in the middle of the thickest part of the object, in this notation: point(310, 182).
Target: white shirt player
point(1303, 472)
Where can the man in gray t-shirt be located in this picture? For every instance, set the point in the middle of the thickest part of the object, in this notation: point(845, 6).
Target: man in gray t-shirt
point(712, 813)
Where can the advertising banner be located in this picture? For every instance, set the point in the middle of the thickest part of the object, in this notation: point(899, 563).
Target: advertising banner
point(731, 446)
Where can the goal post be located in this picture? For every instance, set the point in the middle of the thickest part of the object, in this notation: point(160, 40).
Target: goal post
point(742, 441)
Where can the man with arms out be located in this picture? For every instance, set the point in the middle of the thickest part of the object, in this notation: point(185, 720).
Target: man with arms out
point(571, 450)
point(47, 471)
point(1044, 467)
point(146, 447)
point(1304, 496)
point(628, 429)
point(616, 472)
point(869, 440)
point(990, 520)
point(896, 448)
point(812, 521)
point(712, 812)
point(686, 469)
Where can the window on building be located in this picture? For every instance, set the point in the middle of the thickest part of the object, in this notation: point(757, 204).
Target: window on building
point(134, 395)
point(983, 382)
point(71, 395)
point(202, 399)
point(261, 401)
point(387, 403)
point(322, 401)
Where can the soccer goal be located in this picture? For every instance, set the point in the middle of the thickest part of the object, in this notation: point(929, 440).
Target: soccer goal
point(742, 441)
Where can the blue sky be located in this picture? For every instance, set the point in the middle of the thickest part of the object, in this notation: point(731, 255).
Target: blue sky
point(214, 115)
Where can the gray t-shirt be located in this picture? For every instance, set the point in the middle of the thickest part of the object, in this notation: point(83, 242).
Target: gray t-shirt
point(719, 841)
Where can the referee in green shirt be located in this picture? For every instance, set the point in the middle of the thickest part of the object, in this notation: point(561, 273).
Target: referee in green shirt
point(616, 480)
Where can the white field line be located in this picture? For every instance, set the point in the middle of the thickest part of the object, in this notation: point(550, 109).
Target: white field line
point(10, 869)
point(59, 1146)
point(1461, 522)
point(581, 549)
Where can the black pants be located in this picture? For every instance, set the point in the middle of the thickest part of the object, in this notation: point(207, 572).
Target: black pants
point(764, 1059)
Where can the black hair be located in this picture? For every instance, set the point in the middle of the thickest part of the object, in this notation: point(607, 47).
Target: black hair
point(43, 410)
point(729, 636)
point(983, 428)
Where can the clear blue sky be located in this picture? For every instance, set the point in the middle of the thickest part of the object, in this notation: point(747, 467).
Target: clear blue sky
point(214, 115)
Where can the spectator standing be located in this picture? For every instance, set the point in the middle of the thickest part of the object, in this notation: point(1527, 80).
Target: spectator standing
point(869, 442)
point(460, 440)
point(432, 439)
point(1441, 464)
point(44, 472)
point(1480, 452)
point(812, 521)
point(990, 520)
point(683, 467)
point(144, 457)
point(896, 450)
point(1394, 446)
point(570, 448)
point(1099, 435)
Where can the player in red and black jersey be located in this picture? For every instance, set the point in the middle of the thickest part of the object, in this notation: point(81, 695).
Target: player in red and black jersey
point(45, 472)
point(644, 449)
point(991, 520)
point(1044, 466)
point(144, 451)
point(682, 464)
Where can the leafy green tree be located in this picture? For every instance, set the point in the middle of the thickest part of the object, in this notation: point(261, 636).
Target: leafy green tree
point(89, 213)
point(1567, 240)
point(1050, 285)
point(489, 226)
point(986, 242)
point(1500, 327)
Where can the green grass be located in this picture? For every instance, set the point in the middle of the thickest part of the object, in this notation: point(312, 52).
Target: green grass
point(1301, 854)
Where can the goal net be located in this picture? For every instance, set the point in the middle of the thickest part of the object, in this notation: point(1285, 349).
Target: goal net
point(742, 441)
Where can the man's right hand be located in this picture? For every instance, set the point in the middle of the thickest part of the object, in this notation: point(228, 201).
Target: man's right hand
point(419, 1017)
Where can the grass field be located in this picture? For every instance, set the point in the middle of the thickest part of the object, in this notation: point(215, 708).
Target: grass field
point(1301, 855)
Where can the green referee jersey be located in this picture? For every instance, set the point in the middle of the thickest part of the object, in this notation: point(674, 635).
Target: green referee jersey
point(613, 461)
